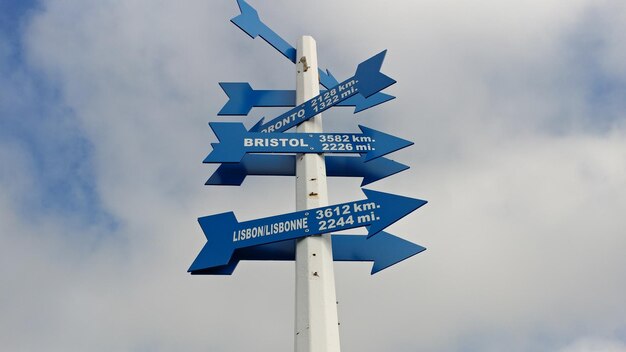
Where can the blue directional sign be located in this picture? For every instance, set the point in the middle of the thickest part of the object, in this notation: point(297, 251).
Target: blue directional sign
point(225, 234)
point(384, 250)
point(265, 150)
point(236, 141)
point(366, 81)
point(250, 23)
point(233, 174)
point(242, 98)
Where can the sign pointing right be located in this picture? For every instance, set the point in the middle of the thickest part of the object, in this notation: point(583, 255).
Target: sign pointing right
point(367, 81)
point(242, 98)
point(384, 250)
point(225, 234)
point(235, 142)
point(233, 174)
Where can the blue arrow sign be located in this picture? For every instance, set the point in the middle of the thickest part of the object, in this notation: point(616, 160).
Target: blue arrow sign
point(242, 98)
point(384, 250)
point(225, 234)
point(366, 81)
point(233, 174)
point(236, 141)
point(249, 22)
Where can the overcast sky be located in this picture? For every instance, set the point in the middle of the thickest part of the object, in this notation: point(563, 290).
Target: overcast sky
point(518, 114)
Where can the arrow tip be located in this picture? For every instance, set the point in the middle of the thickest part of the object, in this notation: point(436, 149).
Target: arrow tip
point(385, 143)
point(390, 208)
point(392, 250)
point(370, 79)
point(380, 168)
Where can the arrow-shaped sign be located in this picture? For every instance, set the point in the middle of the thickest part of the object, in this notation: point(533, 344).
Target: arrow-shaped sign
point(233, 174)
point(242, 98)
point(250, 23)
point(225, 234)
point(236, 141)
point(384, 250)
point(366, 81)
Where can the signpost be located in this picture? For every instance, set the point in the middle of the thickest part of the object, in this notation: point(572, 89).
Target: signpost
point(236, 142)
point(249, 22)
point(225, 234)
point(304, 236)
point(242, 98)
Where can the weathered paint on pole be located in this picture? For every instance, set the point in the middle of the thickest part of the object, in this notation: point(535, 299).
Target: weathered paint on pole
point(317, 323)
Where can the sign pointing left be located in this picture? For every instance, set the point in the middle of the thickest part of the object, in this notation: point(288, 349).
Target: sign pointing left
point(225, 234)
point(250, 23)
point(235, 142)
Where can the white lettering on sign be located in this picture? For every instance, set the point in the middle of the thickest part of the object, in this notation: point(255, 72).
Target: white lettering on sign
point(270, 229)
point(274, 142)
point(284, 121)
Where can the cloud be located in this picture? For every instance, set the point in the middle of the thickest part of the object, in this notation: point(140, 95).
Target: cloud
point(520, 154)
point(592, 344)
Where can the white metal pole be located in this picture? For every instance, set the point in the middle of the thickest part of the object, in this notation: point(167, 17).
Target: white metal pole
point(316, 327)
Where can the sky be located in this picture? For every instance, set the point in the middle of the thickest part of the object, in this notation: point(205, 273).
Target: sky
point(517, 111)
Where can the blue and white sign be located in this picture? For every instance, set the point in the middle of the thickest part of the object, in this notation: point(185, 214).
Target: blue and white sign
point(236, 142)
point(384, 250)
point(225, 234)
point(265, 150)
point(242, 98)
point(233, 174)
point(366, 81)
point(249, 22)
